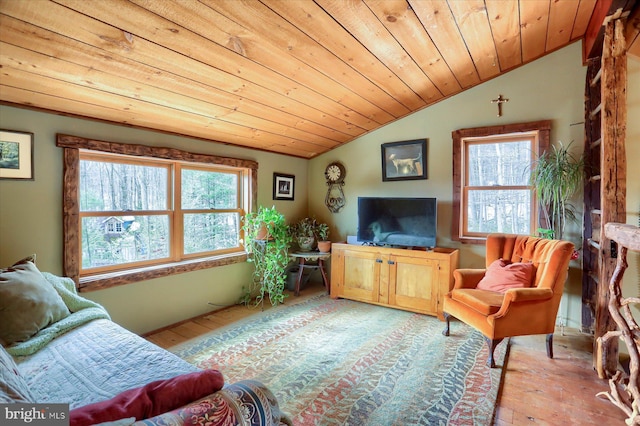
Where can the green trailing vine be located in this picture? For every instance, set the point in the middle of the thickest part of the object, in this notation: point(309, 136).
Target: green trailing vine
point(269, 255)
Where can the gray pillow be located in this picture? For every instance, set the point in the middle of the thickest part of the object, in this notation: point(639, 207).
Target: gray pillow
point(28, 302)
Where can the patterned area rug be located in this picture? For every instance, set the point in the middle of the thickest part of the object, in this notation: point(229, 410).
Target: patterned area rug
point(339, 362)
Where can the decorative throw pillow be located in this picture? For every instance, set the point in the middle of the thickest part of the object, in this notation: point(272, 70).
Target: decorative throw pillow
point(150, 400)
point(13, 387)
point(28, 303)
point(502, 275)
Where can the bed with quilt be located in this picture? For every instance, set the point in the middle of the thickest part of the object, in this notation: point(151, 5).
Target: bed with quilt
point(58, 347)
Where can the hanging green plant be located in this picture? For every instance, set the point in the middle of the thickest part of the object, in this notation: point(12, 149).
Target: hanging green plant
point(269, 254)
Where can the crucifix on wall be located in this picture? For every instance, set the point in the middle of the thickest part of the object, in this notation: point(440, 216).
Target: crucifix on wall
point(499, 101)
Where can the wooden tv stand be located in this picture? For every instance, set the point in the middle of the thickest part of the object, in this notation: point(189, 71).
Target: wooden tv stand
point(412, 280)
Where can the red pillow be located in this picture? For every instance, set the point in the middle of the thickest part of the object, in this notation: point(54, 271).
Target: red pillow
point(502, 275)
point(150, 400)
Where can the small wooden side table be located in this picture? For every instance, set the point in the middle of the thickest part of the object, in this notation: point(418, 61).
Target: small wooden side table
point(317, 262)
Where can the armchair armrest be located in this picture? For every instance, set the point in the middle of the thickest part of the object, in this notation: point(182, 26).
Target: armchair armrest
point(467, 278)
point(516, 296)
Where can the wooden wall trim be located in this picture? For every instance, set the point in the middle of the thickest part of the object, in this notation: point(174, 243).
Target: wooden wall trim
point(544, 126)
point(71, 214)
point(71, 211)
point(68, 141)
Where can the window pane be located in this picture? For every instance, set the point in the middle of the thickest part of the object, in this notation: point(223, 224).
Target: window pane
point(115, 240)
point(119, 186)
point(209, 190)
point(503, 163)
point(506, 211)
point(211, 231)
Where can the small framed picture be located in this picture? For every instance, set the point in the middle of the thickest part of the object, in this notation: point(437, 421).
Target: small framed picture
point(16, 155)
point(283, 186)
point(405, 160)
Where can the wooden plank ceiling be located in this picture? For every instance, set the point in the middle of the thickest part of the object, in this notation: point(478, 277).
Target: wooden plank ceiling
point(298, 77)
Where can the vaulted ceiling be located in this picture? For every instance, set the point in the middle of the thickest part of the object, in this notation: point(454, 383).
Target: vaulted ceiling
point(298, 77)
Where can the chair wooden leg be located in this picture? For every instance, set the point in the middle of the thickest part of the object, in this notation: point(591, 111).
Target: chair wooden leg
point(550, 345)
point(447, 317)
point(491, 343)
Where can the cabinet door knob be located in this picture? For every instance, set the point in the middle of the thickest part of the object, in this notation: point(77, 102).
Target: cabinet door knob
point(378, 260)
point(391, 262)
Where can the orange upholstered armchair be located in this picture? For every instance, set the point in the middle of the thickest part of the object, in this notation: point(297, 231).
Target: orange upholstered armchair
point(517, 294)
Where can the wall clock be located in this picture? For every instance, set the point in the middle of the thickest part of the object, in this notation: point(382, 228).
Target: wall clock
point(334, 174)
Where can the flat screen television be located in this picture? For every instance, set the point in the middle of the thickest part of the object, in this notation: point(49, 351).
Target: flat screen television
point(397, 222)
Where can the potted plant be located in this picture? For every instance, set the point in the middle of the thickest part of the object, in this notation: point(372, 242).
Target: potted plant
point(556, 176)
point(304, 233)
point(269, 254)
point(324, 245)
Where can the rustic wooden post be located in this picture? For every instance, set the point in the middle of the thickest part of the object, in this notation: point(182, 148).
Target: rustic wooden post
point(613, 178)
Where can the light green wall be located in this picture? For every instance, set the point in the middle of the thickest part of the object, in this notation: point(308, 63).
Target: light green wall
point(549, 88)
point(31, 219)
point(631, 283)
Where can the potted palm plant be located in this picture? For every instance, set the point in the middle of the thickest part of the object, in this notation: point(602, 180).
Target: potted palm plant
point(269, 253)
point(556, 176)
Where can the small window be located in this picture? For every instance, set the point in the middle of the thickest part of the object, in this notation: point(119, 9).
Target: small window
point(492, 193)
point(143, 216)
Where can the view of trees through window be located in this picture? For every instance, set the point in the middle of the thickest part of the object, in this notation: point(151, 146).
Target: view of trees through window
point(498, 195)
point(139, 212)
point(203, 192)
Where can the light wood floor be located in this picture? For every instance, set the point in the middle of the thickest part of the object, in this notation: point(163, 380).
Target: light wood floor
point(535, 389)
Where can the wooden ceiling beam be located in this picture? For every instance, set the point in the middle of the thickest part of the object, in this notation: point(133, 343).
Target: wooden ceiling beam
point(594, 35)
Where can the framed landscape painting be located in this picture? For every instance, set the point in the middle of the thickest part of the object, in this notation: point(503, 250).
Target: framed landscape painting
point(16, 155)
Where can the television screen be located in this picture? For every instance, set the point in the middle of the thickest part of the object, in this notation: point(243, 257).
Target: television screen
point(404, 222)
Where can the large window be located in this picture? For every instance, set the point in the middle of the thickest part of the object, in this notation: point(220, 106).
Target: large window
point(150, 212)
point(491, 180)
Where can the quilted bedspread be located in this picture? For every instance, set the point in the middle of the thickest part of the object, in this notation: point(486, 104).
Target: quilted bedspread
point(94, 362)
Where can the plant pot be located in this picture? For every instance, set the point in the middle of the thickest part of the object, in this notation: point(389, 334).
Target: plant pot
point(324, 246)
point(263, 233)
point(292, 277)
point(306, 243)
